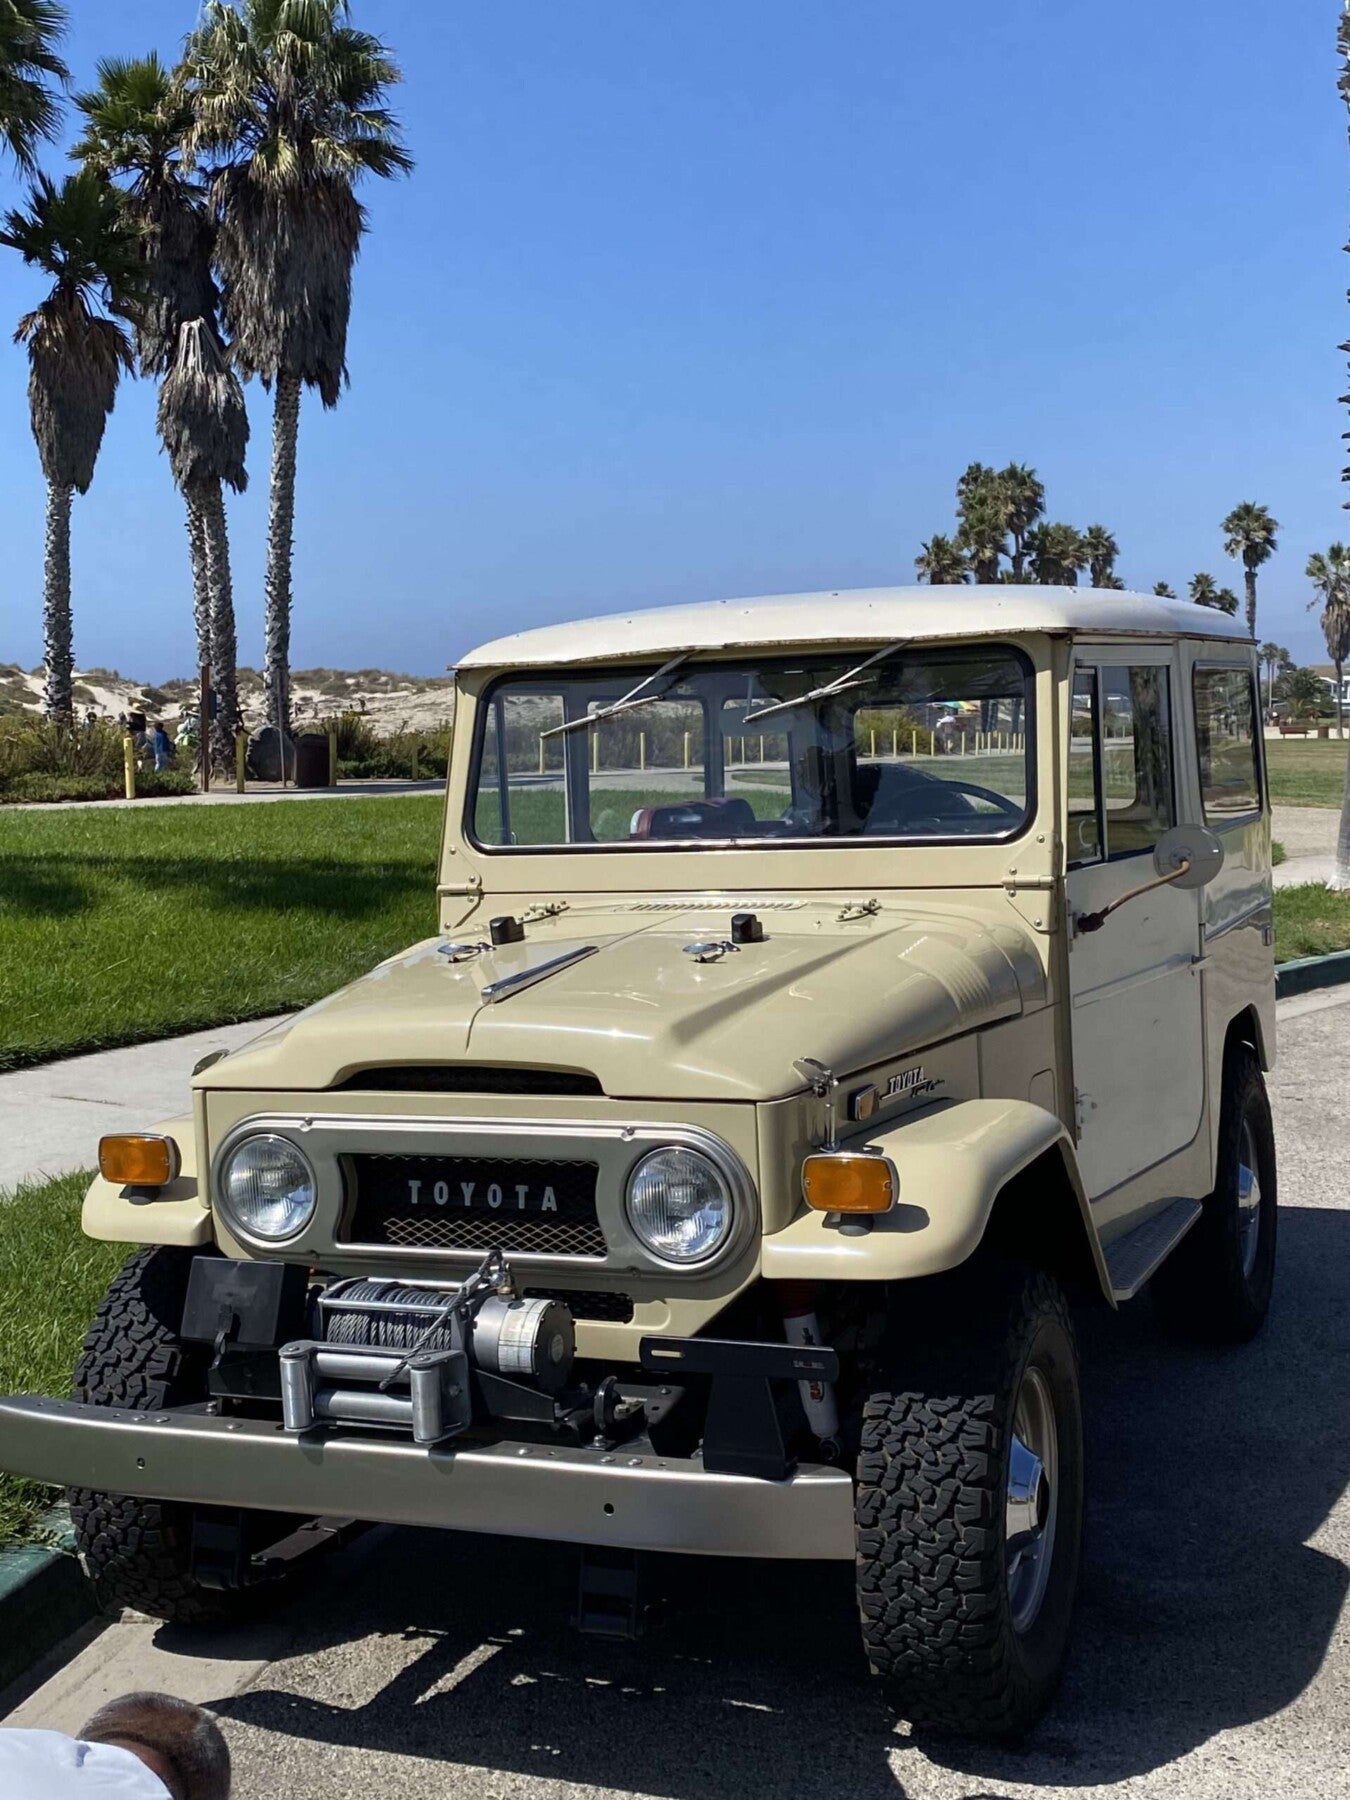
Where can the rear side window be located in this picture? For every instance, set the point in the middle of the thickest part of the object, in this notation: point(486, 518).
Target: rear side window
point(1225, 738)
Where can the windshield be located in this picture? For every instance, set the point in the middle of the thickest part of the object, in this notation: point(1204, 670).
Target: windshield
point(916, 744)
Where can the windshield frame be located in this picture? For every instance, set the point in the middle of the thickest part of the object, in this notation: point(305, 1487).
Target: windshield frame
point(626, 673)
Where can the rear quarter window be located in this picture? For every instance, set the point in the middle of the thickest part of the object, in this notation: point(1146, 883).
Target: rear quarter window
point(1225, 740)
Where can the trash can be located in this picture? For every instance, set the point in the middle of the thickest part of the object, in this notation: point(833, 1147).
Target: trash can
point(311, 760)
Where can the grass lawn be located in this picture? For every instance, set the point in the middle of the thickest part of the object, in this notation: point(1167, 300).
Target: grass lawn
point(51, 1281)
point(1309, 921)
point(1306, 771)
point(116, 927)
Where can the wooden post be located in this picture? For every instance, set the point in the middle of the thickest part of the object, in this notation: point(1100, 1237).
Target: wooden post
point(241, 758)
point(332, 760)
point(414, 759)
point(642, 750)
point(541, 755)
point(129, 766)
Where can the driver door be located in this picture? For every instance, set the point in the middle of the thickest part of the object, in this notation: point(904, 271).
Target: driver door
point(1135, 990)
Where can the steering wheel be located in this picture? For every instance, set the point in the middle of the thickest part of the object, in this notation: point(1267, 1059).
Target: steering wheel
point(939, 800)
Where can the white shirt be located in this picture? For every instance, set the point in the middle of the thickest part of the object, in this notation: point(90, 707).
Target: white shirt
point(48, 1765)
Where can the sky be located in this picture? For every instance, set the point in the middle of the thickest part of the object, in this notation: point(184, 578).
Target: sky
point(692, 301)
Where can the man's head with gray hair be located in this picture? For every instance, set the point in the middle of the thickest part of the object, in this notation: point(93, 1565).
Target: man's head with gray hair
point(177, 1741)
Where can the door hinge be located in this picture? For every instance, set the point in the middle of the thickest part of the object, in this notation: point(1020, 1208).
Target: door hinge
point(1083, 1104)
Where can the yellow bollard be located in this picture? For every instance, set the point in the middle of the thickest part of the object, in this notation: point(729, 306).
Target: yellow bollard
point(241, 758)
point(595, 748)
point(914, 743)
point(129, 766)
point(686, 749)
point(541, 756)
point(642, 750)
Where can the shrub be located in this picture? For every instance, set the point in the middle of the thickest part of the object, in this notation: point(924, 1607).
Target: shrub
point(165, 785)
point(36, 746)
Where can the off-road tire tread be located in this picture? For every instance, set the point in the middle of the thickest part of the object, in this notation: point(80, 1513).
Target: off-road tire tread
point(1200, 1292)
point(136, 1551)
point(930, 1488)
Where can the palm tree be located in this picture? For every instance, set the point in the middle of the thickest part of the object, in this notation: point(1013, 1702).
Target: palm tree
point(204, 424)
point(1204, 590)
point(1164, 592)
point(940, 562)
point(1329, 573)
point(1102, 551)
point(80, 235)
point(1058, 554)
point(135, 121)
point(289, 97)
point(983, 512)
point(1227, 602)
point(1249, 532)
point(29, 33)
point(1025, 495)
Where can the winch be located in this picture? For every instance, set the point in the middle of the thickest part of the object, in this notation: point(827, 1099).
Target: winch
point(407, 1353)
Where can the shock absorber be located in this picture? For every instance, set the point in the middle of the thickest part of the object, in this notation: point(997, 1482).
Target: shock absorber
point(801, 1326)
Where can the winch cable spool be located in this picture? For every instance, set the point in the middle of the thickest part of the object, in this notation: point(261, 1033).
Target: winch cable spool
point(522, 1340)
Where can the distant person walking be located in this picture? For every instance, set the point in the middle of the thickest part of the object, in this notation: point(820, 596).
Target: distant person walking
point(162, 746)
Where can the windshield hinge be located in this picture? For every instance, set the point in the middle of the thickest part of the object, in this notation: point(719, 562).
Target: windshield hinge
point(542, 909)
point(858, 909)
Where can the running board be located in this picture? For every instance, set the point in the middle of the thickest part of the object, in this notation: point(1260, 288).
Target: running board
point(1131, 1259)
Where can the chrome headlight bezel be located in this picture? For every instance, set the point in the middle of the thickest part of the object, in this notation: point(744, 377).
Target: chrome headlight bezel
point(722, 1188)
point(237, 1219)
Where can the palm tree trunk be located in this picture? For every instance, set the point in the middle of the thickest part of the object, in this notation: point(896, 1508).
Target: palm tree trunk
point(1340, 703)
point(201, 585)
point(1340, 875)
point(280, 536)
point(57, 630)
point(222, 633)
point(1249, 577)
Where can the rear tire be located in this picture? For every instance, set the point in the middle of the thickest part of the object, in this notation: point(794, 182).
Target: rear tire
point(970, 1637)
point(1216, 1285)
point(138, 1552)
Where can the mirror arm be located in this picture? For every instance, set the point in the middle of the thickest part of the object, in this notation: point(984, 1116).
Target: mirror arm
point(1095, 920)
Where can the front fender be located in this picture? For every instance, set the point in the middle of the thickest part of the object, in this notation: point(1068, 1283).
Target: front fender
point(953, 1161)
point(173, 1215)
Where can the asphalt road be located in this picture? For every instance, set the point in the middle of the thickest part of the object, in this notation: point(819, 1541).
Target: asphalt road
point(1211, 1657)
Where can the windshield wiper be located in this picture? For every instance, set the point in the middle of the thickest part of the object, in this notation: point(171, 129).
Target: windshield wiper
point(828, 689)
point(634, 698)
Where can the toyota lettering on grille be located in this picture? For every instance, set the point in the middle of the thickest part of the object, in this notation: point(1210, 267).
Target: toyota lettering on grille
point(517, 1196)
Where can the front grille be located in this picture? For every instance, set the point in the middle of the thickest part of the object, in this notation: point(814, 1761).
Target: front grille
point(520, 1206)
point(615, 1309)
point(468, 1078)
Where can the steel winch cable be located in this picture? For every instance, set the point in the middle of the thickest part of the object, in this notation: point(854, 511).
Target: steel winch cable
point(390, 1317)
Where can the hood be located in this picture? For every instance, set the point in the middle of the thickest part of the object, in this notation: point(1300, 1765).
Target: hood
point(651, 1022)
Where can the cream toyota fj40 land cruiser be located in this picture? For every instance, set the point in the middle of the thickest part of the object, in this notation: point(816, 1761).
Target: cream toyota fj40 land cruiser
point(827, 989)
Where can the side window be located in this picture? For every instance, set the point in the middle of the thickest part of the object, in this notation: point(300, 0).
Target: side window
point(1225, 736)
point(1085, 834)
point(1137, 786)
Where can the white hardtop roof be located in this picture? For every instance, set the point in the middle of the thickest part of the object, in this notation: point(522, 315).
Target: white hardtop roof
point(856, 615)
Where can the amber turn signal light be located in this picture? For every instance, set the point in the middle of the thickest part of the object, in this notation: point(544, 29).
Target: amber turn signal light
point(844, 1182)
point(139, 1159)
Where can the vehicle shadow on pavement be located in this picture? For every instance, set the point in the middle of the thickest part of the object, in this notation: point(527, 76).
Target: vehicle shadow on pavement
point(1202, 1606)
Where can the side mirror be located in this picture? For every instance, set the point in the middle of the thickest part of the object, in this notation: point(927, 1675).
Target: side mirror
point(1188, 856)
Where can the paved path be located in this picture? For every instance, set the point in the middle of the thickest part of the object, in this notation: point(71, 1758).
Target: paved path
point(1211, 1660)
point(52, 1117)
point(1308, 834)
point(256, 795)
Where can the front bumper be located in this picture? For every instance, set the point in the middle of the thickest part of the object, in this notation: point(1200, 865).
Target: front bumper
point(619, 1499)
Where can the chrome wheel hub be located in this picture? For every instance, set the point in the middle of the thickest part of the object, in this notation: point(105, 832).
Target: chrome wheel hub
point(1031, 1504)
point(1248, 1200)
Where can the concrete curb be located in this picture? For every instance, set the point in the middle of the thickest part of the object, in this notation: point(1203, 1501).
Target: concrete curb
point(1306, 973)
point(43, 1598)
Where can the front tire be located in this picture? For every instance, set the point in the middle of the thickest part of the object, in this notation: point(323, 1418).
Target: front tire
point(138, 1552)
point(970, 1506)
point(1216, 1285)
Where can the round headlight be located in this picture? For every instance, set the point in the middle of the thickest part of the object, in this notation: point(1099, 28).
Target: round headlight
point(680, 1205)
point(267, 1185)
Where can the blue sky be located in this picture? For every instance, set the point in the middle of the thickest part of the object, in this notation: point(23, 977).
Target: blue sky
point(719, 298)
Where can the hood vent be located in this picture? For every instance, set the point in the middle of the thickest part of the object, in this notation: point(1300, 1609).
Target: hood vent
point(467, 1078)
